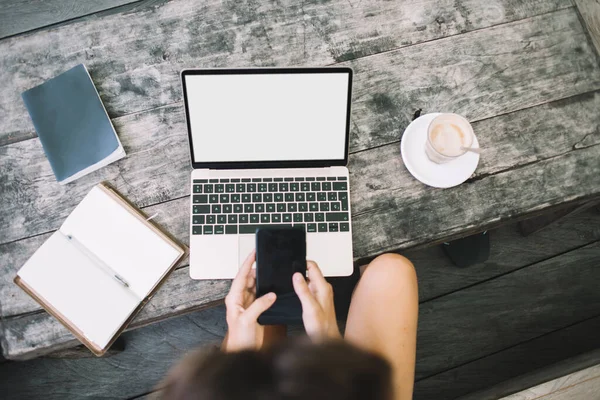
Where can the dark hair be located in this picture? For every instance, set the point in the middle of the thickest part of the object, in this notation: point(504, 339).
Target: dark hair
point(296, 370)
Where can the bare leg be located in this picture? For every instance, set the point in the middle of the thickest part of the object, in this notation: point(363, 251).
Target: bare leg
point(383, 317)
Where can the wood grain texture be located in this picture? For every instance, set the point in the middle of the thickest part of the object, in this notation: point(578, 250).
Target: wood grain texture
point(560, 347)
point(171, 216)
point(552, 371)
point(437, 275)
point(23, 15)
point(148, 354)
point(584, 377)
point(135, 58)
point(32, 335)
point(148, 396)
point(36, 334)
point(482, 73)
point(508, 310)
point(478, 74)
point(157, 166)
point(507, 141)
point(559, 178)
point(565, 384)
point(155, 395)
point(124, 8)
point(485, 203)
point(571, 123)
point(81, 351)
point(588, 389)
point(585, 390)
point(532, 225)
point(590, 12)
point(509, 251)
point(151, 350)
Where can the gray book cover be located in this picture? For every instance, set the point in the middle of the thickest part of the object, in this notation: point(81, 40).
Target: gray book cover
point(72, 124)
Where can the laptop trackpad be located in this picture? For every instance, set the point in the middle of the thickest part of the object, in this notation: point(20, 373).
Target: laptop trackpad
point(246, 244)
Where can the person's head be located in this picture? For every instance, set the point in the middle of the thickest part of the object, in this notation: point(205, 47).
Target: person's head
point(296, 370)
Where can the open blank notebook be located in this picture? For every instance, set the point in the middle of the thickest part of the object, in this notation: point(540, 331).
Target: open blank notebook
point(97, 271)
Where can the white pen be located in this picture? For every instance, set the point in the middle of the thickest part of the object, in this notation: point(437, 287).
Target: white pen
point(96, 260)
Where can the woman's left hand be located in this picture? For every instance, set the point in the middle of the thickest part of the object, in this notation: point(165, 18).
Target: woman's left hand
point(243, 310)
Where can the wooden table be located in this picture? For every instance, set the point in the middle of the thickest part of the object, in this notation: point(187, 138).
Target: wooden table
point(525, 73)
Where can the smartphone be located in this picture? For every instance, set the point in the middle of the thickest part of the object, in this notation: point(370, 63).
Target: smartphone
point(280, 253)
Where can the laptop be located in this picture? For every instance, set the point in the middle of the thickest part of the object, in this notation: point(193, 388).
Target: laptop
point(269, 148)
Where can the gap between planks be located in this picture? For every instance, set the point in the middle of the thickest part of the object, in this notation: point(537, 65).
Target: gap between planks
point(393, 38)
point(371, 55)
point(164, 190)
point(544, 264)
point(474, 178)
point(507, 348)
point(508, 272)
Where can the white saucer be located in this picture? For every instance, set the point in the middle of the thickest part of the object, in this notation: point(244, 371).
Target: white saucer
point(421, 167)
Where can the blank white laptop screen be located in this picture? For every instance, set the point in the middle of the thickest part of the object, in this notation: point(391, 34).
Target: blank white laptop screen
point(268, 117)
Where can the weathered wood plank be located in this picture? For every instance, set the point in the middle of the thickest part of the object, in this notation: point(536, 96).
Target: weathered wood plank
point(508, 310)
point(509, 252)
point(148, 396)
point(511, 363)
point(135, 58)
point(564, 384)
point(507, 141)
point(577, 272)
point(390, 218)
point(590, 12)
point(532, 225)
point(23, 15)
point(148, 354)
point(571, 364)
point(145, 177)
point(437, 276)
point(573, 171)
point(173, 214)
point(156, 139)
point(36, 334)
point(170, 215)
point(571, 123)
point(487, 367)
point(516, 66)
point(83, 352)
point(587, 389)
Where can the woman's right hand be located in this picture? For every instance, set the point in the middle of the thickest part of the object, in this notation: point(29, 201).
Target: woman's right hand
point(316, 296)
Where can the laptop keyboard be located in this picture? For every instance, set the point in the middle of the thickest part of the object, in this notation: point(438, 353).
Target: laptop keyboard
point(238, 206)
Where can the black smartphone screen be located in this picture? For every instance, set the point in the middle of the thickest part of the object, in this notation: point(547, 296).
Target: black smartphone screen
point(279, 254)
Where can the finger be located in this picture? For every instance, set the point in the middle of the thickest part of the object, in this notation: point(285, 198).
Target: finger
point(259, 306)
point(239, 283)
point(250, 282)
point(233, 307)
point(315, 275)
point(312, 287)
point(304, 294)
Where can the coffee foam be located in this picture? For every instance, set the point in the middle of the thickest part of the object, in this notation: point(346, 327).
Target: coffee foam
point(448, 135)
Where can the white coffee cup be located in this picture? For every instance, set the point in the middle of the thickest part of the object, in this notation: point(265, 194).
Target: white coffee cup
point(448, 137)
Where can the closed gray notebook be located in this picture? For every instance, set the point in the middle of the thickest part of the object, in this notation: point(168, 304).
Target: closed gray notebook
point(72, 124)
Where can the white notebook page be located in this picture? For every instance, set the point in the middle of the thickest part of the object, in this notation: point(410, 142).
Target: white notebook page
point(123, 242)
point(87, 296)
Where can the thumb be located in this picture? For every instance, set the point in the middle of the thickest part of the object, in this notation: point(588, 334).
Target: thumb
point(260, 305)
